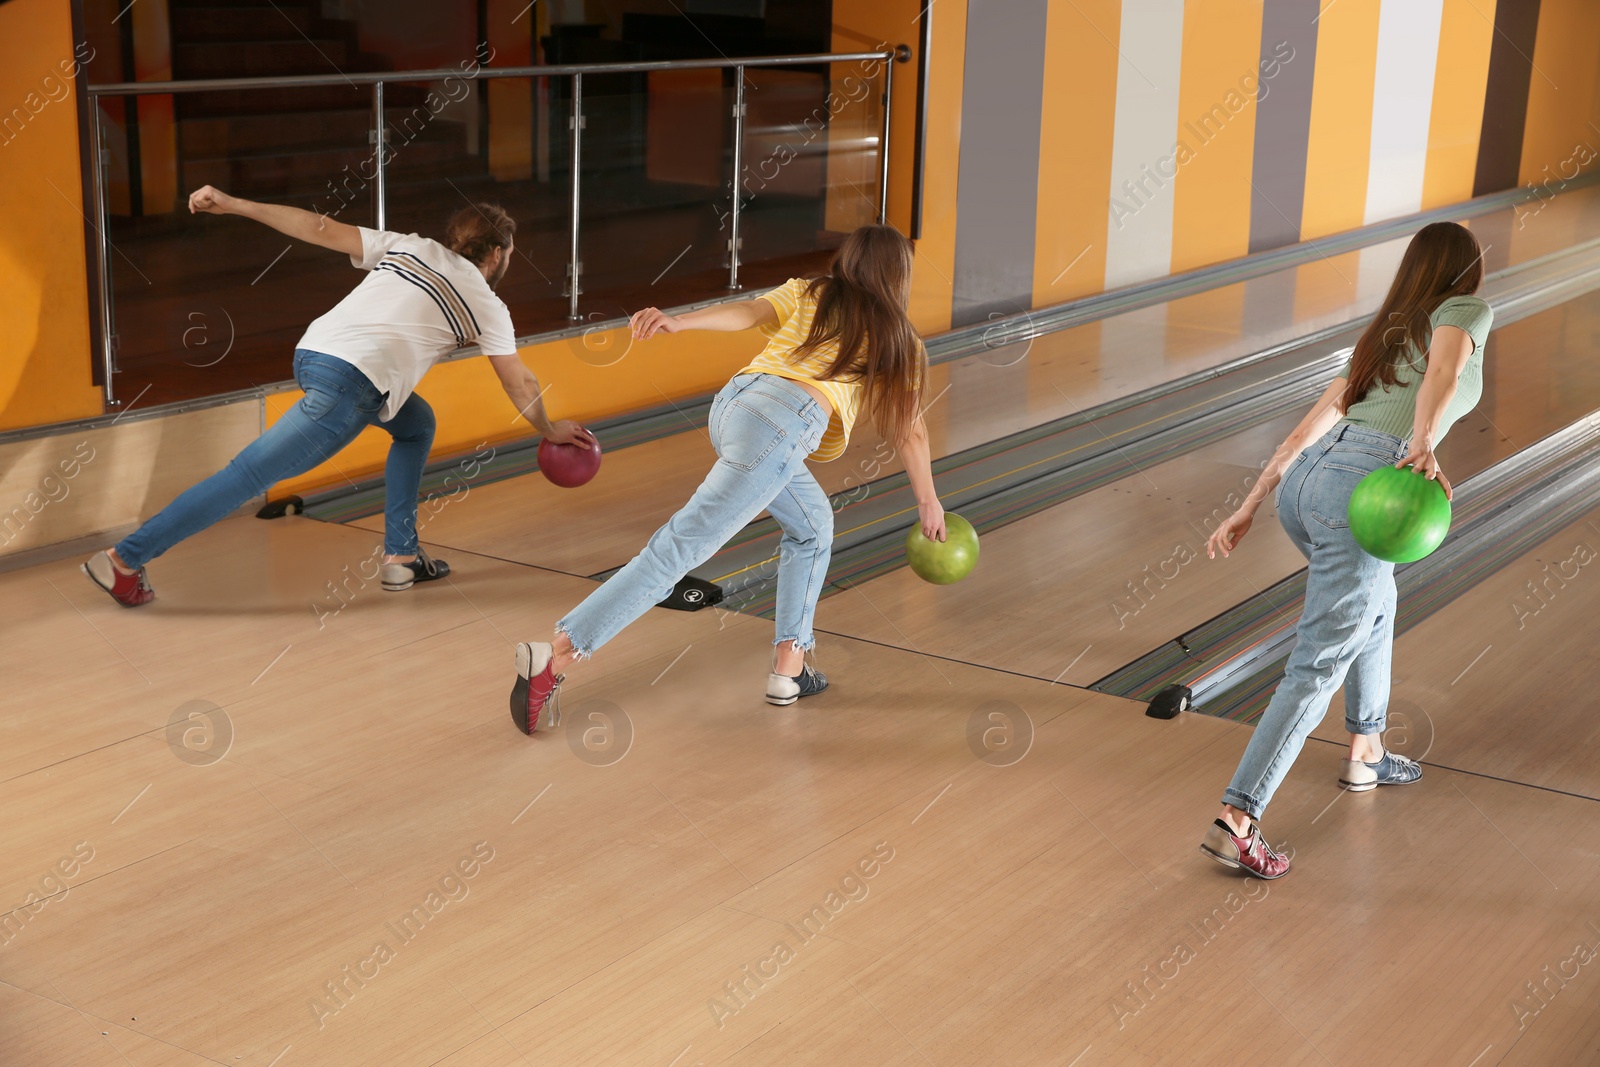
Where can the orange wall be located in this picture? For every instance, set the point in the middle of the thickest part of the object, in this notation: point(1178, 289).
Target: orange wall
point(510, 99)
point(1561, 93)
point(1340, 143)
point(44, 358)
point(1069, 255)
point(1466, 34)
point(1211, 193)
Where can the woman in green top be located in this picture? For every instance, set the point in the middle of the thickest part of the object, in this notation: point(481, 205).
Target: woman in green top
point(1415, 371)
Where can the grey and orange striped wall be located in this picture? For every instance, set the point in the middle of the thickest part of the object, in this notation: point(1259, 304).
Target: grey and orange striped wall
point(1081, 145)
point(1070, 146)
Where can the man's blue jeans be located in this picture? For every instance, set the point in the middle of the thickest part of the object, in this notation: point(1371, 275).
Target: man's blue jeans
point(763, 427)
point(1346, 632)
point(339, 403)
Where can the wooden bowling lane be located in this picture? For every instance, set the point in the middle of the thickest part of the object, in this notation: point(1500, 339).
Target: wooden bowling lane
point(1078, 590)
point(1089, 585)
point(1500, 682)
point(932, 863)
point(1077, 368)
point(578, 531)
point(995, 393)
point(1539, 374)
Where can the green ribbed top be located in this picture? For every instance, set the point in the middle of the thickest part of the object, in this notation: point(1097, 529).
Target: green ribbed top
point(1393, 409)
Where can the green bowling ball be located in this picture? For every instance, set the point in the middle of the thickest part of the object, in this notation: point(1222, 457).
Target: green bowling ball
point(1399, 515)
point(947, 561)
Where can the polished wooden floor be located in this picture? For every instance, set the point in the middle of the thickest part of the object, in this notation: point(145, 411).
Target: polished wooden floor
point(934, 863)
point(1079, 590)
point(280, 817)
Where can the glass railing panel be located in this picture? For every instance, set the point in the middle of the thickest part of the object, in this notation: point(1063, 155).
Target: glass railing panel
point(206, 304)
point(468, 141)
point(657, 162)
point(812, 165)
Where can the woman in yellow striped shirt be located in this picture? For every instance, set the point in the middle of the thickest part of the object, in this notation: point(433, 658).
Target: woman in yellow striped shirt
point(837, 345)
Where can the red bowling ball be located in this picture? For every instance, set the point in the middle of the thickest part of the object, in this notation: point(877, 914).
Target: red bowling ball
point(568, 466)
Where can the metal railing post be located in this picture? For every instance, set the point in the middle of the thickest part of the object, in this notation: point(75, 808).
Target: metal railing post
point(97, 184)
point(738, 169)
point(575, 265)
point(379, 138)
point(380, 183)
point(883, 145)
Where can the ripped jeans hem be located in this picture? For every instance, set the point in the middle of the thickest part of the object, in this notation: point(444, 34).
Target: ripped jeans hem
point(577, 648)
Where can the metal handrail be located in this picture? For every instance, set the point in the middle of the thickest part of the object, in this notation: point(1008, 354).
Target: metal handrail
point(294, 81)
point(378, 79)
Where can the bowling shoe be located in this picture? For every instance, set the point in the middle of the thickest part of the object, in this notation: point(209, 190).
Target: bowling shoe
point(1360, 776)
point(1250, 853)
point(782, 689)
point(401, 576)
point(129, 590)
point(533, 695)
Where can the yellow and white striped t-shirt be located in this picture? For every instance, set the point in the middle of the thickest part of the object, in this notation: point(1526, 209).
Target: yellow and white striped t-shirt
point(795, 311)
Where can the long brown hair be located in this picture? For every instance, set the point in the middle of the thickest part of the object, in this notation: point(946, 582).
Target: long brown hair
point(861, 304)
point(1443, 260)
point(478, 229)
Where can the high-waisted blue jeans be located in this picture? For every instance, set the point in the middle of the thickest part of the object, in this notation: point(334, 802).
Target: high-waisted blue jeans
point(339, 403)
point(1346, 632)
point(763, 427)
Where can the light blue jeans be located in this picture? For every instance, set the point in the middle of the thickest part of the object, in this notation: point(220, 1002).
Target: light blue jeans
point(339, 403)
point(762, 427)
point(1346, 632)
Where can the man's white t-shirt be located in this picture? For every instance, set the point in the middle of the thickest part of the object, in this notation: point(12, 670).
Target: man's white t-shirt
point(420, 302)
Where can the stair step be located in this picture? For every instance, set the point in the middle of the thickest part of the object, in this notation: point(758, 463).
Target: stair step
point(308, 171)
point(248, 136)
point(238, 135)
point(240, 59)
point(195, 24)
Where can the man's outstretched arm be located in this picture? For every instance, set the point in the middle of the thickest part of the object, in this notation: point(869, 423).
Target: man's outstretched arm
point(292, 221)
point(525, 392)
